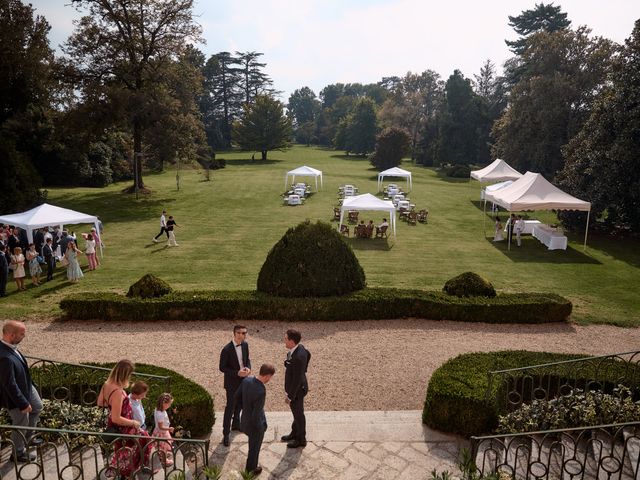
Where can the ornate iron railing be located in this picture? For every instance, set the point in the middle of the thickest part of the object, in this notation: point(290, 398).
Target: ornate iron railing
point(72, 454)
point(78, 383)
point(512, 387)
point(603, 452)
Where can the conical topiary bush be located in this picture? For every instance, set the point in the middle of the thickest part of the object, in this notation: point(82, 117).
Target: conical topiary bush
point(311, 260)
point(149, 286)
point(469, 284)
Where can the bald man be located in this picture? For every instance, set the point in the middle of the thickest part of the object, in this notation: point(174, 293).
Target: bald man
point(17, 393)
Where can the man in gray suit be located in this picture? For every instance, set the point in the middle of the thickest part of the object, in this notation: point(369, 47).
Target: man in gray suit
point(252, 394)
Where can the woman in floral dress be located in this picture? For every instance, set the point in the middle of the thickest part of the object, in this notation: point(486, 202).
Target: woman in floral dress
point(34, 265)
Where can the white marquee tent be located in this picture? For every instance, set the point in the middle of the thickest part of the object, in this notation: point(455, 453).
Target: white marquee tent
point(303, 171)
point(369, 202)
point(395, 172)
point(494, 188)
point(534, 192)
point(496, 171)
point(47, 215)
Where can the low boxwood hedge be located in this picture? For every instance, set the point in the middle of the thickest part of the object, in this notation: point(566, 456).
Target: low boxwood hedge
point(369, 303)
point(456, 399)
point(192, 403)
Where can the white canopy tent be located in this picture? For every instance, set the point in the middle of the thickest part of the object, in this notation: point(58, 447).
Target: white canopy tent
point(47, 215)
point(369, 202)
point(395, 172)
point(534, 192)
point(496, 171)
point(303, 171)
point(494, 188)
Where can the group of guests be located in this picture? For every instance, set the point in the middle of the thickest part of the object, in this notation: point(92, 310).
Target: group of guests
point(49, 245)
point(514, 224)
point(246, 394)
point(363, 230)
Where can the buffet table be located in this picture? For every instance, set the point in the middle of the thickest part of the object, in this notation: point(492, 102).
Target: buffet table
point(528, 226)
point(550, 237)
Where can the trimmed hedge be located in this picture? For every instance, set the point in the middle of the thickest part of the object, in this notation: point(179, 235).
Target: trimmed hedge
point(469, 284)
point(366, 304)
point(193, 404)
point(456, 399)
point(149, 286)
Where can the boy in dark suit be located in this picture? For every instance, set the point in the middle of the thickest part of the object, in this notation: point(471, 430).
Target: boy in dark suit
point(17, 393)
point(296, 387)
point(251, 395)
point(236, 365)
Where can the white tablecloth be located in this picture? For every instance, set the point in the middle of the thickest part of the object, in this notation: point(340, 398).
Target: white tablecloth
point(294, 200)
point(553, 239)
point(299, 191)
point(528, 226)
point(403, 203)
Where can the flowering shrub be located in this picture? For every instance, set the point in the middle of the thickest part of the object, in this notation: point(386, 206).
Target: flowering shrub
point(578, 409)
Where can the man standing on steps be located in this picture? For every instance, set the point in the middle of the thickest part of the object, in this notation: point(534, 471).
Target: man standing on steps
point(296, 387)
point(251, 395)
point(236, 365)
point(17, 393)
point(163, 227)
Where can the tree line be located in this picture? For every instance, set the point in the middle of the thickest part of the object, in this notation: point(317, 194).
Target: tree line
point(132, 91)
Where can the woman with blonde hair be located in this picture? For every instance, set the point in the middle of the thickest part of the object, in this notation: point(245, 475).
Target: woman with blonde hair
point(129, 454)
point(17, 263)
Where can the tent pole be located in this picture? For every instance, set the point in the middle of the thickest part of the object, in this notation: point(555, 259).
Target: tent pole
point(341, 217)
point(586, 231)
point(484, 219)
point(510, 227)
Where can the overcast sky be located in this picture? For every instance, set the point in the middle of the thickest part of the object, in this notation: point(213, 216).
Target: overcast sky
point(318, 42)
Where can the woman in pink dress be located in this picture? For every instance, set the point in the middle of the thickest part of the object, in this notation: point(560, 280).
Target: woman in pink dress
point(131, 454)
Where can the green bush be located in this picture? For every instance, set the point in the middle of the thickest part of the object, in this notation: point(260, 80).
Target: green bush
point(469, 284)
point(149, 286)
point(457, 171)
point(193, 404)
point(366, 304)
point(311, 260)
point(456, 400)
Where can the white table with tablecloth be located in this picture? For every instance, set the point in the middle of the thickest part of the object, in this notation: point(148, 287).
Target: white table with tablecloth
point(552, 238)
point(528, 226)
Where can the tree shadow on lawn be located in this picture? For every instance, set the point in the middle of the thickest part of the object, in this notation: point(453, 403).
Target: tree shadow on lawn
point(115, 206)
point(532, 251)
point(443, 176)
point(626, 250)
point(369, 243)
point(248, 161)
point(353, 158)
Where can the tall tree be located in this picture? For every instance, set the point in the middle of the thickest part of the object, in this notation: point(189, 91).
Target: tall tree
point(548, 106)
point(602, 163)
point(253, 80)
point(491, 91)
point(541, 18)
point(361, 127)
point(121, 48)
point(303, 107)
point(391, 145)
point(263, 127)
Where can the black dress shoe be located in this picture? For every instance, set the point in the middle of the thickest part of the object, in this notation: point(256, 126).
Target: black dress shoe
point(256, 471)
point(235, 427)
point(225, 440)
point(297, 443)
point(287, 438)
point(23, 457)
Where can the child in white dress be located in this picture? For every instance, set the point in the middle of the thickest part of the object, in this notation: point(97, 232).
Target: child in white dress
point(163, 428)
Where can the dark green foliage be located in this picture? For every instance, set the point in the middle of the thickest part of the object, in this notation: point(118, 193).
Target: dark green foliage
point(547, 18)
point(469, 284)
point(456, 400)
point(391, 145)
point(149, 286)
point(311, 260)
point(19, 181)
point(457, 171)
point(193, 403)
point(366, 304)
point(361, 127)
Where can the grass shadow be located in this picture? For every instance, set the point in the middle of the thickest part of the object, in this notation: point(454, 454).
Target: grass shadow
point(626, 250)
point(443, 176)
point(369, 243)
point(532, 251)
point(352, 158)
point(44, 290)
point(248, 161)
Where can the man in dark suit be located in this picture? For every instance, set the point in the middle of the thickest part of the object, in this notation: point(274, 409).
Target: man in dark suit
point(4, 270)
point(17, 393)
point(236, 365)
point(296, 387)
point(49, 258)
point(38, 240)
point(251, 395)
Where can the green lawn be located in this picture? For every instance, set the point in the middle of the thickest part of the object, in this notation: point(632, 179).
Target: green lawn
point(228, 225)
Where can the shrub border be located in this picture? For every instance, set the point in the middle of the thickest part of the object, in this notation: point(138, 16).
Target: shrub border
point(366, 304)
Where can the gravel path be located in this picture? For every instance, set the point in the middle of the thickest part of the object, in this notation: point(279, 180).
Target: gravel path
point(366, 365)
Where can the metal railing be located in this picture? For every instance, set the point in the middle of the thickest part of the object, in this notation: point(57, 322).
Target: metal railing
point(603, 452)
point(79, 383)
point(512, 387)
point(74, 454)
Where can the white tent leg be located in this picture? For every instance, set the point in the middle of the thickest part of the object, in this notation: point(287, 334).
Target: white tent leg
point(100, 242)
point(484, 219)
point(586, 231)
point(341, 217)
point(508, 234)
point(286, 177)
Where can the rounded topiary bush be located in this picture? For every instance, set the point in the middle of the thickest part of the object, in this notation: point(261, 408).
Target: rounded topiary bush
point(311, 260)
point(469, 284)
point(149, 286)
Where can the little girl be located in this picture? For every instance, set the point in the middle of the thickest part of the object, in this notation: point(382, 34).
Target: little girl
point(163, 428)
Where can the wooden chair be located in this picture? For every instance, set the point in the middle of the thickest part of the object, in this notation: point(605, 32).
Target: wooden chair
point(381, 231)
point(403, 212)
point(361, 231)
point(369, 230)
point(422, 216)
point(336, 213)
point(353, 216)
point(344, 230)
point(412, 217)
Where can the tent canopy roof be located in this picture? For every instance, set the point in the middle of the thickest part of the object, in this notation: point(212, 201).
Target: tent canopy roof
point(366, 201)
point(496, 171)
point(46, 215)
point(534, 192)
point(304, 170)
point(395, 172)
